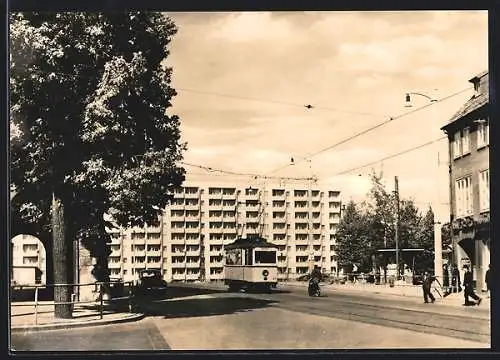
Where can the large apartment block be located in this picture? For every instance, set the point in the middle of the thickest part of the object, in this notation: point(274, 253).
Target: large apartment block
point(188, 243)
point(28, 261)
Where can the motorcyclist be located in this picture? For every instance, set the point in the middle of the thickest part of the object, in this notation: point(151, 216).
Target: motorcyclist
point(316, 276)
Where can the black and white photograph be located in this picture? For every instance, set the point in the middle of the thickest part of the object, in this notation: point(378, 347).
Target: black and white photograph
point(249, 180)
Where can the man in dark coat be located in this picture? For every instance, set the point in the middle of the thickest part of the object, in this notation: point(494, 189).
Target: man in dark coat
point(487, 280)
point(426, 286)
point(455, 279)
point(469, 288)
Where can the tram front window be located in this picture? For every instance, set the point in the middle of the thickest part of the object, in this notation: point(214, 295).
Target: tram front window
point(265, 257)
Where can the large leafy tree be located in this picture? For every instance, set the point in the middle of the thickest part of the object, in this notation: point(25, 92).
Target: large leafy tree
point(424, 261)
point(379, 216)
point(89, 99)
point(353, 239)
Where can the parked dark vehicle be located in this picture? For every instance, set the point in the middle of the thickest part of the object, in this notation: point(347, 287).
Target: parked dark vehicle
point(151, 282)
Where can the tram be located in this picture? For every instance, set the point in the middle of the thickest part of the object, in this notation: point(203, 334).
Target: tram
point(251, 263)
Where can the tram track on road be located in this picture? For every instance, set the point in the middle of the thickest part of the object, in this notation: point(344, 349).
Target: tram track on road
point(432, 318)
point(458, 326)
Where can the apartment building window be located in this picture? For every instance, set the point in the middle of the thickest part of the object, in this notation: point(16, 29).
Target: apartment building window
point(114, 247)
point(463, 196)
point(461, 143)
point(176, 212)
point(191, 190)
point(192, 236)
point(252, 214)
point(30, 247)
point(153, 235)
point(278, 214)
point(228, 191)
point(177, 224)
point(301, 215)
point(192, 213)
point(30, 260)
point(153, 247)
point(177, 236)
point(278, 192)
point(334, 216)
point(333, 193)
point(139, 247)
point(334, 204)
point(214, 202)
point(484, 190)
point(483, 134)
point(191, 201)
point(465, 141)
point(138, 236)
point(251, 191)
point(192, 224)
point(214, 191)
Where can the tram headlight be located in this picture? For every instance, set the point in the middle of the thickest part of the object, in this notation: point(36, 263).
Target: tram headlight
point(265, 273)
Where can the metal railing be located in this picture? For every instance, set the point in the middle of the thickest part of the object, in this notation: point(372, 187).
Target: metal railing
point(105, 293)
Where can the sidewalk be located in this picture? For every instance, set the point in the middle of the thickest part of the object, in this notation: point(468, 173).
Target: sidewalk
point(406, 290)
point(23, 319)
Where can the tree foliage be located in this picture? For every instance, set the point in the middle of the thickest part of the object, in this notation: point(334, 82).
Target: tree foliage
point(353, 239)
point(89, 99)
point(369, 227)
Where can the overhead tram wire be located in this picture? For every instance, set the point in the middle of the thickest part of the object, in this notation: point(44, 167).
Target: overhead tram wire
point(234, 173)
point(307, 106)
point(391, 119)
point(391, 156)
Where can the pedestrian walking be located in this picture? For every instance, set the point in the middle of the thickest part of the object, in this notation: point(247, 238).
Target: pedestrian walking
point(426, 287)
point(455, 279)
point(469, 288)
point(487, 280)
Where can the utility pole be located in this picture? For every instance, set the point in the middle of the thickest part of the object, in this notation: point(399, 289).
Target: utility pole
point(396, 235)
point(438, 244)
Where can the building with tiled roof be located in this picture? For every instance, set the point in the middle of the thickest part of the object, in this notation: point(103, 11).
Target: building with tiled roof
point(468, 135)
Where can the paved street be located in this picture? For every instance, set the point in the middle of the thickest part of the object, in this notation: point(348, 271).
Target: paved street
point(191, 319)
point(141, 335)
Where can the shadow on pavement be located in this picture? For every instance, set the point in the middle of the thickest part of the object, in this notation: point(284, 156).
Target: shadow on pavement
point(181, 308)
point(28, 294)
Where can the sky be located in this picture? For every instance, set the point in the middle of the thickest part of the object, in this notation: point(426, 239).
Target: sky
point(243, 79)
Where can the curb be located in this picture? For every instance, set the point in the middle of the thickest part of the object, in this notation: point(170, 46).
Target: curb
point(66, 325)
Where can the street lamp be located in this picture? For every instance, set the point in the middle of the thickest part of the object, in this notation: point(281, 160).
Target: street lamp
point(438, 261)
point(408, 98)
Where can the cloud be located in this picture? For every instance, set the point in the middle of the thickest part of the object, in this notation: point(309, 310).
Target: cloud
point(251, 26)
point(360, 61)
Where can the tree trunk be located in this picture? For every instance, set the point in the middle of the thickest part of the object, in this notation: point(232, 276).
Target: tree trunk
point(62, 257)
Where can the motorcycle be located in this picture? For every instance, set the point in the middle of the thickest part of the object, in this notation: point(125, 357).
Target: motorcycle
point(313, 288)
